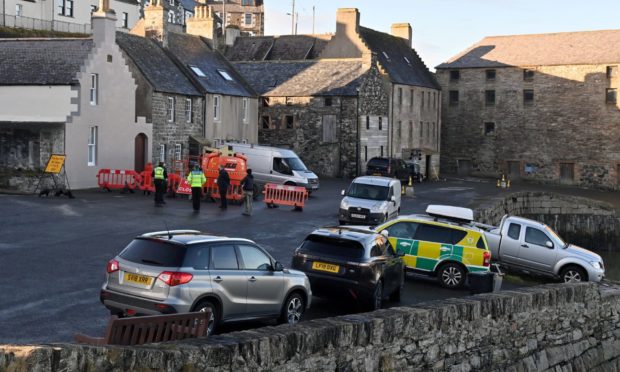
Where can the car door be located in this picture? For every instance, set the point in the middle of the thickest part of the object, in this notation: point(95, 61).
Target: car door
point(198, 258)
point(229, 283)
point(393, 268)
point(434, 245)
point(265, 286)
point(534, 252)
point(511, 244)
point(401, 236)
point(281, 172)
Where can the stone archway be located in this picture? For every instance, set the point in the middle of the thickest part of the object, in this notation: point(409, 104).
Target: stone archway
point(141, 146)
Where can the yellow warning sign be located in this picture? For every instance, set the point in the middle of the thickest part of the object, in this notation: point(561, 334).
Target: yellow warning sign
point(54, 165)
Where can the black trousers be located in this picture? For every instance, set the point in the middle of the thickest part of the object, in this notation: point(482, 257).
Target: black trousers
point(196, 196)
point(223, 201)
point(159, 191)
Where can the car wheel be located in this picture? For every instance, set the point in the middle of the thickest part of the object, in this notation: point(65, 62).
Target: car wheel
point(341, 222)
point(293, 309)
point(377, 297)
point(451, 275)
point(573, 274)
point(214, 320)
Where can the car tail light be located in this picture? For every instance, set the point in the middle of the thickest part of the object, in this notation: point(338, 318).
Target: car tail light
point(112, 266)
point(173, 278)
point(487, 258)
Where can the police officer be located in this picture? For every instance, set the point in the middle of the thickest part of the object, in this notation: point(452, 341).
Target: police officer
point(160, 176)
point(196, 179)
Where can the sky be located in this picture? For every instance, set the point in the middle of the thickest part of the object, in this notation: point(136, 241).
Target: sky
point(443, 28)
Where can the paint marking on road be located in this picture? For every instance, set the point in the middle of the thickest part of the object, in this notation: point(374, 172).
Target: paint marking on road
point(67, 210)
point(454, 189)
point(71, 298)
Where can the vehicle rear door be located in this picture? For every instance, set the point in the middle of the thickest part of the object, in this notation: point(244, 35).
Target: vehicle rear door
point(512, 238)
point(435, 246)
point(534, 253)
point(265, 286)
point(229, 283)
point(401, 236)
point(382, 255)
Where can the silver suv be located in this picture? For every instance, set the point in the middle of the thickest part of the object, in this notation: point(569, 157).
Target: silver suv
point(185, 270)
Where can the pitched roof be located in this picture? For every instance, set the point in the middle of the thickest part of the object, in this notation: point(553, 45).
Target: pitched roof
point(42, 61)
point(402, 64)
point(132, 2)
point(565, 48)
point(193, 51)
point(277, 48)
point(156, 66)
point(305, 78)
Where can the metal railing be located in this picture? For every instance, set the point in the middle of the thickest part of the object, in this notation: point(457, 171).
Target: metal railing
point(8, 20)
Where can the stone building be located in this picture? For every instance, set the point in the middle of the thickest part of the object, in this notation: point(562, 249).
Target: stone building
point(387, 92)
point(72, 97)
point(247, 15)
point(535, 107)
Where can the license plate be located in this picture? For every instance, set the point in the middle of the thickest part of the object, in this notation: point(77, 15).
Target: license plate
point(322, 266)
point(138, 279)
point(355, 215)
point(376, 174)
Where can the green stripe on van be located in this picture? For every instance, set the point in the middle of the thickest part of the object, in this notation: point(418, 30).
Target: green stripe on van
point(407, 246)
point(425, 263)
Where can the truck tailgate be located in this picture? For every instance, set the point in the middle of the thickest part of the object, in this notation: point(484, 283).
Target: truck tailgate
point(493, 240)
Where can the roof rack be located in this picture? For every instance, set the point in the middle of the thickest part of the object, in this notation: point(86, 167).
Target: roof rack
point(171, 232)
point(456, 214)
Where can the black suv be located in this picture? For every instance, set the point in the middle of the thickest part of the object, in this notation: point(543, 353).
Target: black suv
point(355, 262)
point(388, 167)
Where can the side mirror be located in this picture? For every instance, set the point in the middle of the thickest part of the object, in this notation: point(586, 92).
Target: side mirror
point(342, 192)
point(393, 199)
point(549, 244)
point(278, 266)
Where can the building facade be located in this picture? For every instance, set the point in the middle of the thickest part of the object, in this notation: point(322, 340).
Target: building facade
point(533, 107)
point(247, 15)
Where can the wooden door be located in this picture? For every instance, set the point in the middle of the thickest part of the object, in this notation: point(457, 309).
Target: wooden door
point(140, 152)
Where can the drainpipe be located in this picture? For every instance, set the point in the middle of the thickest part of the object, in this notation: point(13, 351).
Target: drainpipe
point(391, 123)
point(358, 135)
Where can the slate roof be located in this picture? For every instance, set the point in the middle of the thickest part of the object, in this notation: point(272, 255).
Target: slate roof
point(303, 78)
point(42, 61)
point(277, 48)
point(132, 2)
point(155, 64)
point(194, 51)
point(402, 64)
point(566, 48)
point(189, 4)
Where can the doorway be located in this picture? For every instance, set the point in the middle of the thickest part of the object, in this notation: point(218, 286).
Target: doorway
point(514, 169)
point(463, 167)
point(140, 152)
point(567, 173)
point(429, 168)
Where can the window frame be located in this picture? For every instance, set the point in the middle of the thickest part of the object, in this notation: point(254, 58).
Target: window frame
point(244, 107)
point(453, 98)
point(93, 140)
point(528, 75)
point(170, 111)
point(245, 19)
point(258, 249)
point(611, 96)
point(214, 247)
point(488, 124)
point(455, 75)
point(528, 93)
point(178, 151)
point(490, 74)
point(19, 9)
point(217, 108)
point(162, 152)
point(125, 19)
point(189, 110)
point(489, 97)
point(94, 89)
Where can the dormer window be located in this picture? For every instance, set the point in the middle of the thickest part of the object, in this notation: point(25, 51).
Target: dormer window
point(225, 75)
point(197, 71)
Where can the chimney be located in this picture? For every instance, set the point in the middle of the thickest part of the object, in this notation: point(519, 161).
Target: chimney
point(104, 23)
point(347, 21)
point(203, 24)
point(402, 30)
point(155, 23)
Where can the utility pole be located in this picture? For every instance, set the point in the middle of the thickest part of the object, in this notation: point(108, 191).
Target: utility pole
point(312, 19)
point(296, 22)
point(224, 15)
point(293, 19)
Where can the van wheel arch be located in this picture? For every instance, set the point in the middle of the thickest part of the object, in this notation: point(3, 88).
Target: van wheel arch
point(566, 269)
point(216, 301)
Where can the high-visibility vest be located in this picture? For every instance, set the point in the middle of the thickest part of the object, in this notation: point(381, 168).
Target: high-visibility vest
point(196, 178)
point(159, 173)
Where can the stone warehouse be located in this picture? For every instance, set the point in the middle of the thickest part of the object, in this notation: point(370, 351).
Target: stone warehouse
point(341, 99)
point(535, 107)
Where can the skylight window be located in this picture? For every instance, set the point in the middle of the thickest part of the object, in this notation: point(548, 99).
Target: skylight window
point(197, 71)
point(385, 55)
point(407, 60)
point(225, 75)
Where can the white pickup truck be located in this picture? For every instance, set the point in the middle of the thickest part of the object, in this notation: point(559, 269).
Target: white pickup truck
point(527, 246)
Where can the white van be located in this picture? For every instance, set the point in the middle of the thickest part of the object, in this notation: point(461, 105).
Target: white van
point(275, 165)
point(370, 200)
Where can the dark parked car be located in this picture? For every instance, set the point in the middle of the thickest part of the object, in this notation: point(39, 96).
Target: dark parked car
point(415, 172)
point(355, 262)
point(388, 167)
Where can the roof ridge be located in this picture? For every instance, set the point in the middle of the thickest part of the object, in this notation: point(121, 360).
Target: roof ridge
point(551, 33)
point(46, 38)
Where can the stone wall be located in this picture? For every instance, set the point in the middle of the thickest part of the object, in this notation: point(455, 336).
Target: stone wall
point(567, 124)
point(561, 327)
point(585, 222)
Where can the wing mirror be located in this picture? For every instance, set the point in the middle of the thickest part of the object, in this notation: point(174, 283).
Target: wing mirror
point(393, 199)
point(549, 244)
point(342, 192)
point(278, 266)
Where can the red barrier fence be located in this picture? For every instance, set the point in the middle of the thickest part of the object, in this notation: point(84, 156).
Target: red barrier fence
point(285, 195)
point(234, 193)
point(114, 179)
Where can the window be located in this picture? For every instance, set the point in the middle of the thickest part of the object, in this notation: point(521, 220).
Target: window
point(171, 2)
point(93, 8)
point(178, 151)
point(247, 2)
point(403, 230)
point(407, 60)
point(223, 257)
point(433, 137)
point(18, 10)
point(528, 96)
point(454, 97)
point(328, 101)
point(612, 71)
point(171, 16)
point(188, 110)
point(367, 122)
point(514, 230)
point(290, 121)
point(455, 75)
point(65, 8)
point(253, 258)
point(245, 110)
point(411, 100)
point(567, 172)
point(225, 75)
point(197, 256)
point(162, 153)
point(109, 58)
point(611, 95)
point(380, 123)
point(439, 234)
point(265, 101)
point(365, 153)
point(528, 75)
point(381, 151)
point(197, 71)
point(489, 128)
point(94, 86)
point(265, 122)
point(400, 129)
point(421, 130)
point(422, 100)
point(248, 19)
point(281, 166)
point(170, 109)
point(125, 20)
point(428, 99)
point(216, 108)
point(92, 146)
point(535, 236)
point(490, 74)
point(434, 99)
point(489, 97)
point(329, 128)
point(400, 96)
point(288, 101)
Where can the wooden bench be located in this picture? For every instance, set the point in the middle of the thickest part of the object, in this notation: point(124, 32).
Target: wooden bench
point(146, 329)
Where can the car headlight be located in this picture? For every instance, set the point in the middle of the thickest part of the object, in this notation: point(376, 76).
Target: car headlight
point(596, 265)
point(344, 205)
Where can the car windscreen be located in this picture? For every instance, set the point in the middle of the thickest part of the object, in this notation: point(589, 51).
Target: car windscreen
point(326, 246)
point(378, 163)
point(295, 164)
point(365, 191)
point(154, 252)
